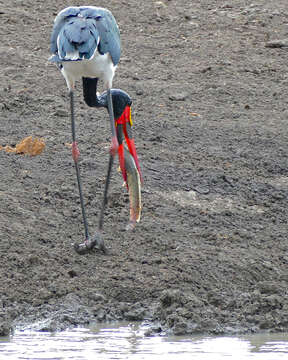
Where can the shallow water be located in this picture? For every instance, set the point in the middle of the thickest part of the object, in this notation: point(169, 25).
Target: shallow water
point(127, 341)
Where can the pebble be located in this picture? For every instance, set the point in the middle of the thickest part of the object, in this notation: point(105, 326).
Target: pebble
point(61, 113)
point(277, 43)
point(178, 96)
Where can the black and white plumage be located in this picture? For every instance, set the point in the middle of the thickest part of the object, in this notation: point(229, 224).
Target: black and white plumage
point(85, 42)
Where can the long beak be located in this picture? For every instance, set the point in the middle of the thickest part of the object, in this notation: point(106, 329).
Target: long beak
point(134, 189)
point(124, 130)
point(122, 161)
point(132, 150)
point(114, 141)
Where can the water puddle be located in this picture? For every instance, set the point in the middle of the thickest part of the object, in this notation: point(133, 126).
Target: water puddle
point(127, 341)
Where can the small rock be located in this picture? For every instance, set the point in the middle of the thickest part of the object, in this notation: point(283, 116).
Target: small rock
point(3, 106)
point(178, 96)
point(61, 113)
point(72, 273)
point(166, 298)
point(96, 297)
point(5, 329)
point(277, 43)
point(49, 326)
point(180, 328)
point(153, 330)
point(135, 315)
point(206, 69)
point(267, 322)
point(268, 287)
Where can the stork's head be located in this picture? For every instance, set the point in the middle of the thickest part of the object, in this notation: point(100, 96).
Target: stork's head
point(121, 101)
point(122, 114)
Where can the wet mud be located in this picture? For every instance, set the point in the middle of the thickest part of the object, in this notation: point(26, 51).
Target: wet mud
point(208, 81)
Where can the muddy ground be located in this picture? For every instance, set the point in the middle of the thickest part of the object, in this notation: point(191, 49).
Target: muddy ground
point(209, 85)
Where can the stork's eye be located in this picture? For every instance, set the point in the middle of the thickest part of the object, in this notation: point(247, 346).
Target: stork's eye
point(99, 17)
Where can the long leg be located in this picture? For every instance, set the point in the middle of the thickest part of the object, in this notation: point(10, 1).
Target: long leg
point(91, 99)
point(113, 150)
point(105, 200)
point(89, 243)
point(75, 154)
point(89, 92)
point(114, 141)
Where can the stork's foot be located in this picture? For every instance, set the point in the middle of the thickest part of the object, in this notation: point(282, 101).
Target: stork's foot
point(89, 244)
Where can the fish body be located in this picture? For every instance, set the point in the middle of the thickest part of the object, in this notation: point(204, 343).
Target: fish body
point(134, 189)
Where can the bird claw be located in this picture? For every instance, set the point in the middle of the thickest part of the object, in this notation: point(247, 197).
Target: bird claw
point(89, 244)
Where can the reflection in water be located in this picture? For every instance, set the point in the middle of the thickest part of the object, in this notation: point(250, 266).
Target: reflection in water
point(127, 341)
point(267, 343)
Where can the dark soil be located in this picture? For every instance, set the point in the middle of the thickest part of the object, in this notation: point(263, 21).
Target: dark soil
point(208, 81)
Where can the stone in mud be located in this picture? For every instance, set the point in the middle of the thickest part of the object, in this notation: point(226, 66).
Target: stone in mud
point(5, 327)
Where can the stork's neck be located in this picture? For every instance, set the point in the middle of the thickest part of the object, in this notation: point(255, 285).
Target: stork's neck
point(90, 93)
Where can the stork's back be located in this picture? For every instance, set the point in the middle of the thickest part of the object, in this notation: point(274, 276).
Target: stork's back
point(79, 31)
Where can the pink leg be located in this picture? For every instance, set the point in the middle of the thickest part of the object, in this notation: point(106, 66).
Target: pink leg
point(114, 146)
point(75, 151)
